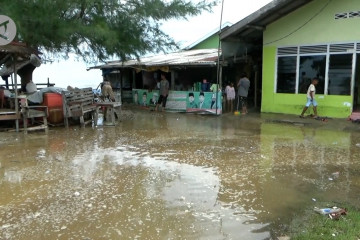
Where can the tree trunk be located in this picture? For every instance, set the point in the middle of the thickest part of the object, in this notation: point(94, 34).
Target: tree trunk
point(26, 75)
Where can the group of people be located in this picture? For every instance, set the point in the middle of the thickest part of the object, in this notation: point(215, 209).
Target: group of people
point(243, 86)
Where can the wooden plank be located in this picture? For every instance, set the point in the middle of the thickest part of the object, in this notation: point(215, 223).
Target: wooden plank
point(77, 102)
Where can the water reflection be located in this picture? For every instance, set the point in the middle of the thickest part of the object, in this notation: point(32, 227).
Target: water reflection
point(171, 176)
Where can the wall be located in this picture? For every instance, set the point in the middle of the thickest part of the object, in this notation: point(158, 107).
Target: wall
point(321, 29)
point(296, 29)
point(210, 42)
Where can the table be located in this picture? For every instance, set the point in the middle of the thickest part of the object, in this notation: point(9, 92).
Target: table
point(113, 107)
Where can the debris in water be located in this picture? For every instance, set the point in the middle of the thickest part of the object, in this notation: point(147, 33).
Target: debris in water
point(333, 213)
point(334, 176)
point(76, 194)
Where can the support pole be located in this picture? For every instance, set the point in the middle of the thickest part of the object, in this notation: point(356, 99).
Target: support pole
point(16, 95)
point(218, 75)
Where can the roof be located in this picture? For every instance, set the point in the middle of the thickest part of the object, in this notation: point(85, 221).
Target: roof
point(253, 25)
point(210, 34)
point(22, 52)
point(199, 57)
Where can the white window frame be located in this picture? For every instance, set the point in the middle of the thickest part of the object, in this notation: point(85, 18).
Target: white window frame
point(354, 51)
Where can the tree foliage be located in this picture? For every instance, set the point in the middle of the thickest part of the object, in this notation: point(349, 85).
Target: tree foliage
point(98, 29)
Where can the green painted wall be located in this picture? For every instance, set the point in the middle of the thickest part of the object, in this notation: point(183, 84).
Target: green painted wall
point(210, 42)
point(322, 29)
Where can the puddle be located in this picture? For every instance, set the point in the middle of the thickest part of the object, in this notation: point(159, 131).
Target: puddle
point(171, 176)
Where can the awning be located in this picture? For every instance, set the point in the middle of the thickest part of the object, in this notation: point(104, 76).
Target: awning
point(199, 57)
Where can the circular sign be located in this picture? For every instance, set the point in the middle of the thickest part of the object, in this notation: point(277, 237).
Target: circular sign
point(7, 30)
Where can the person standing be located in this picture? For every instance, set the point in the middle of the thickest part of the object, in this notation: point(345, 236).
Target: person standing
point(205, 87)
point(311, 98)
point(230, 96)
point(164, 92)
point(215, 88)
point(107, 92)
point(243, 90)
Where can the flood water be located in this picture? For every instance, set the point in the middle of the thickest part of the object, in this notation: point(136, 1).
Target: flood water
point(172, 176)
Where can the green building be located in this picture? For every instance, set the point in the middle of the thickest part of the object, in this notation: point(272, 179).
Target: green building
point(290, 42)
point(210, 40)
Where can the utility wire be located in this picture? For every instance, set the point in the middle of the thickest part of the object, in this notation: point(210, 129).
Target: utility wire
point(291, 33)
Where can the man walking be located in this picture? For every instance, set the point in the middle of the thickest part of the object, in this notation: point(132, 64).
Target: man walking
point(311, 98)
point(164, 92)
point(243, 90)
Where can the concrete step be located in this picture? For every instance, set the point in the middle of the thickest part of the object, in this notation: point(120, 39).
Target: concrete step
point(355, 116)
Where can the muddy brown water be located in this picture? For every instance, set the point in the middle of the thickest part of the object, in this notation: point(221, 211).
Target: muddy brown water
point(172, 176)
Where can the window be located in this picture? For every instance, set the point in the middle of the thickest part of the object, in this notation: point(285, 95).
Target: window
point(332, 64)
point(310, 67)
point(286, 75)
point(340, 70)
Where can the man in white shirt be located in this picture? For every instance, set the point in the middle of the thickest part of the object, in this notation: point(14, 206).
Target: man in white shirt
point(311, 98)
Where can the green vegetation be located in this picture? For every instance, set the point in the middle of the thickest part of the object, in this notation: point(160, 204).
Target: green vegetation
point(315, 226)
point(95, 29)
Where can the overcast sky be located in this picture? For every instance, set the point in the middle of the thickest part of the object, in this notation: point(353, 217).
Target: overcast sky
point(185, 32)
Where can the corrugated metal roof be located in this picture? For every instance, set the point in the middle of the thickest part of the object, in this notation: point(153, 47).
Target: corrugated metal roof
point(197, 57)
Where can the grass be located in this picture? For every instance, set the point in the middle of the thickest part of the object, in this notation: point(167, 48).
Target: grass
point(312, 225)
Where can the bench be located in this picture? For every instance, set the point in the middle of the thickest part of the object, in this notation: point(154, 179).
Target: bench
point(26, 112)
point(77, 103)
point(111, 108)
point(32, 112)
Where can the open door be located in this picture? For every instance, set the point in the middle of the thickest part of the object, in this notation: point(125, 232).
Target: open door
point(356, 106)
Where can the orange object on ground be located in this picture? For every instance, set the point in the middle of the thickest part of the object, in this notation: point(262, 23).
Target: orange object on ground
point(55, 107)
point(52, 100)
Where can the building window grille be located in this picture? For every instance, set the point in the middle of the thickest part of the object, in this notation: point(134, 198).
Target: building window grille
point(354, 14)
point(341, 16)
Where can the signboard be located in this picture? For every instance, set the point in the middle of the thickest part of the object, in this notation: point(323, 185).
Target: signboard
point(7, 30)
point(182, 101)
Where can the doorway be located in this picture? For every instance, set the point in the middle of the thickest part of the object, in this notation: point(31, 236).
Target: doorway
point(356, 105)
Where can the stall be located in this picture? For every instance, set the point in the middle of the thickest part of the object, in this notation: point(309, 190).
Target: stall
point(185, 71)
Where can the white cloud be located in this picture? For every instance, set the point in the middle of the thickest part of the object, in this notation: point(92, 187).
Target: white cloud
point(188, 31)
point(67, 72)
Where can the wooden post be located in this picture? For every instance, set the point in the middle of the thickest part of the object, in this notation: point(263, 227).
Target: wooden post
point(16, 95)
point(172, 80)
point(133, 79)
point(256, 88)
